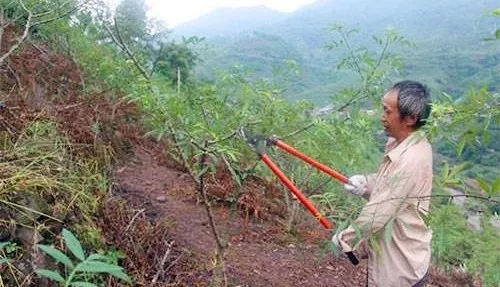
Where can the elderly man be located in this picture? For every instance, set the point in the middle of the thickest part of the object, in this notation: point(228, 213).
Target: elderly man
point(390, 229)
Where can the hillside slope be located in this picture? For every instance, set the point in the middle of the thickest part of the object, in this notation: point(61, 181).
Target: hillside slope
point(113, 182)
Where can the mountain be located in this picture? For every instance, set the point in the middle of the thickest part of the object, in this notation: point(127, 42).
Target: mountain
point(230, 21)
point(450, 54)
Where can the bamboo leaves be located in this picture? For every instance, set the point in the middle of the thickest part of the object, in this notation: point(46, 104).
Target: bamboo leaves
point(93, 264)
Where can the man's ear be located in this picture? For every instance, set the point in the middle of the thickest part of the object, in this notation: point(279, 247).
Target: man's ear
point(411, 120)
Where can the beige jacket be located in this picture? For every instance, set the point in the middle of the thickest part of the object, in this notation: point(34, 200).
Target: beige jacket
point(391, 224)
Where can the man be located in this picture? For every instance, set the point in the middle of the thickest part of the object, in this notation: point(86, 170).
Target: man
point(390, 229)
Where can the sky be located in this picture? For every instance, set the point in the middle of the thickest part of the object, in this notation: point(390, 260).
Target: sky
point(180, 11)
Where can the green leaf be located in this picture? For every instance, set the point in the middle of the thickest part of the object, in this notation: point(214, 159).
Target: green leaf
point(57, 255)
point(445, 171)
point(497, 34)
point(389, 228)
point(461, 145)
point(343, 225)
point(455, 171)
point(3, 260)
point(96, 256)
point(3, 244)
point(50, 274)
point(73, 244)
point(375, 243)
point(496, 12)
point(496, 186)
point(83, 284)
point(101, 267)
point(121, 275)
point(483, 184)
point(96, 267)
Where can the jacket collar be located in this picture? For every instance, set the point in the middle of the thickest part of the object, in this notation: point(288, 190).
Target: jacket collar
point(395, 150)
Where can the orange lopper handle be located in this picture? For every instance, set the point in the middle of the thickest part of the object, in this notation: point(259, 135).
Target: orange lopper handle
point(267, 160)
point(340, 177)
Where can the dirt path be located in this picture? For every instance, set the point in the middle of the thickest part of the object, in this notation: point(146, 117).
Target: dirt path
point(258, 254)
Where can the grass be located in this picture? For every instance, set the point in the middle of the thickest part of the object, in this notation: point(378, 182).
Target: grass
point(44, 184)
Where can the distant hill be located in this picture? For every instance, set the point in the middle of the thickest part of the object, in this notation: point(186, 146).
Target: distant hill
point(450, 53)
point(230, 21)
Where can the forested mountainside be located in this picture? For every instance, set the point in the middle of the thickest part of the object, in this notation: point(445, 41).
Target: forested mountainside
point(449, 52)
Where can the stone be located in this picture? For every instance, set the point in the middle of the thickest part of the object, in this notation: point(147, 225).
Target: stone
point(161, 198)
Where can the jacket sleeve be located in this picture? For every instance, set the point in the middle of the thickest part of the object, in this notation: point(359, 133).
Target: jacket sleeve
point(393, 194)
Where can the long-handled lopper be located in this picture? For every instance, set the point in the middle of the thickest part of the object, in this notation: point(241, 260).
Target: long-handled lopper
point(260, 143)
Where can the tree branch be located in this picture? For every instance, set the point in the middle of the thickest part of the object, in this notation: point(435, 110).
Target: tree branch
point(21, 39)
point(450, 196)
point(298, 131)
point(67, 13)
point(183, 157)
point(119, 40)
point(211, 219)
point(354, 59)
point(62, 6)
point(153, 68)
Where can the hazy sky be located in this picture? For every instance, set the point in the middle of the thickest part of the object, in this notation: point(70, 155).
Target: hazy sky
point(179, 11)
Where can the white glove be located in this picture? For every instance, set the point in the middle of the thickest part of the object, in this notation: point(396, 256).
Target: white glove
point(337, 247)
point(336, 242)
point(357, 184)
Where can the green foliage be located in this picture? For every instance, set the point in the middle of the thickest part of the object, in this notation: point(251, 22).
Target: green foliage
point(174, 61)
point(43, 183)
point(452, 240)
point(496, 13)
point(6, 249)
point(371, 68)
point(486, 258)
point(78, 271)
point(131, 20)
point(455, 245)
point(442, 58)
point(465, 128)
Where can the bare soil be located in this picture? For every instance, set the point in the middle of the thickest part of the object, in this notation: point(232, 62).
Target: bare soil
point(259, 253)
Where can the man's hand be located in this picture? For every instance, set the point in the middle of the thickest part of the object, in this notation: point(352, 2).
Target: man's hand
point(336, 242)
point(338, 250)
point(357, 184)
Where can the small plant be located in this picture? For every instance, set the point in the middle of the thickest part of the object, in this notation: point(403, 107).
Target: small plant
point(5, 249)
point(81, 268)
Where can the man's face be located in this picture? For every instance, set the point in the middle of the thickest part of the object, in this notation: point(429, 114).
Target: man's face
point(394, 126)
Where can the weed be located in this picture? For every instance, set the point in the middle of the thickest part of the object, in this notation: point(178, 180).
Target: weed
point(83, 268)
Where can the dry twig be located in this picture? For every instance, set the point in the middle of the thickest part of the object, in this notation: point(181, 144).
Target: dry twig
point(163, 260)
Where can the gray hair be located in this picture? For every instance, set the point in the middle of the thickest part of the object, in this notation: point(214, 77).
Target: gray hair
point(413, 99)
